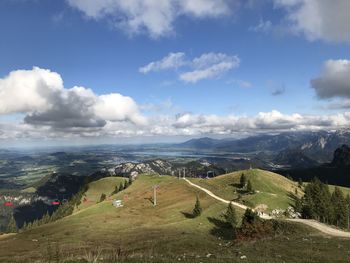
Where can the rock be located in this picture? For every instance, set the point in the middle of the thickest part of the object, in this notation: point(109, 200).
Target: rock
point(243, 257)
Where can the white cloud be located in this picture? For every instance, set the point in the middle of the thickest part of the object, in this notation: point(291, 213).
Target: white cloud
point(156, 17)
point(318, 19)
point(263, 26)
point(24, 90)
point(210, 65)
point(334, 80)
point(171, 61)
point(108, 107)
point(78, 112)
point(39, 93)
point(206, 66)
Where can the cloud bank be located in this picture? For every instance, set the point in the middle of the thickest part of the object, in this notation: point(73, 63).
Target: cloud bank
point(51, 111)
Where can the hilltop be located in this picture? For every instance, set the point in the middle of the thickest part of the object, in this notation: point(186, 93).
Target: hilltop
point(272, 190)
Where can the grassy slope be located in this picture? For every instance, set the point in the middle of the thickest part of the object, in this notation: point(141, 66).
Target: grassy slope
point(163, 231)
point(271, 189)
point(138, 225)
point(103, 186)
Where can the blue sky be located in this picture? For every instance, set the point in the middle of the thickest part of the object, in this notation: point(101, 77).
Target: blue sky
point(102, 47)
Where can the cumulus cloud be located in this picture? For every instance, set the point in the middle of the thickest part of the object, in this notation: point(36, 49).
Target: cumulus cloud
point(41, 96)
point(155, 17)
point(325, 20)
point(334, 80)
point(206, 66)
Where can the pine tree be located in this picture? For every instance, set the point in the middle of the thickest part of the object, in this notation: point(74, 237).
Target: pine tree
point(300, 183)
point(249, 217)
point(340, 210)
point(103, 197)
point(347, 200)
point(130, 179)
point(230, 216)
point(250, 187)
point(115, 191)
point(243, 180)
point(126, 184)
point(121, 186)
point(317, 202)
point(12, 226)
point(197, 210)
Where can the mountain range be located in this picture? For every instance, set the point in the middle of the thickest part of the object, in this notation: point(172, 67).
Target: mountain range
point(290, 148)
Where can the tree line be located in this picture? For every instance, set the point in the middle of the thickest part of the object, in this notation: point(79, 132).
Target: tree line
point(321, 204)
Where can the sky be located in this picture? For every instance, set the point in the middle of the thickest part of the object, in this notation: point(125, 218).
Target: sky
point(114, 71)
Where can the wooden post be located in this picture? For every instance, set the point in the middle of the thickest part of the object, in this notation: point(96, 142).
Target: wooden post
point(155, 187)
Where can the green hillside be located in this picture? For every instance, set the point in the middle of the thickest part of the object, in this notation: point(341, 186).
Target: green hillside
point(271, 189)
point(103, 186)
point(140, 232)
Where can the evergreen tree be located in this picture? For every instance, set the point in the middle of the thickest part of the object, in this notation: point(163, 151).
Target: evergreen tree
point(340, 216)
point(12, 226)
point(197, 210)
point(317, 202)
point(115, 191)
point(126, 184)
point(249, 217)
point(250, 187)
point(243, 180)
point(130, 179)
point(300, 183)
point(347, 200)
point(121, 186)
point(103, 197)
point(230, 216)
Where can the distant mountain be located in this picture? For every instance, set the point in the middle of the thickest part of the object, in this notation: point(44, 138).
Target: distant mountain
point(317, 146)
point(335, 172)
point(294, 158)
point(202, 143)
point(341, 156)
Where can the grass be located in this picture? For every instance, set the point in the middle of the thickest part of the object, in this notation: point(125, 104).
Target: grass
point(271, 189)
point(103, 186)
point(165, 233)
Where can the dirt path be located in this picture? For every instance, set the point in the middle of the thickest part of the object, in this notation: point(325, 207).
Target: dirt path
point(322, 227)
point(262, 215)
point(312, 223)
